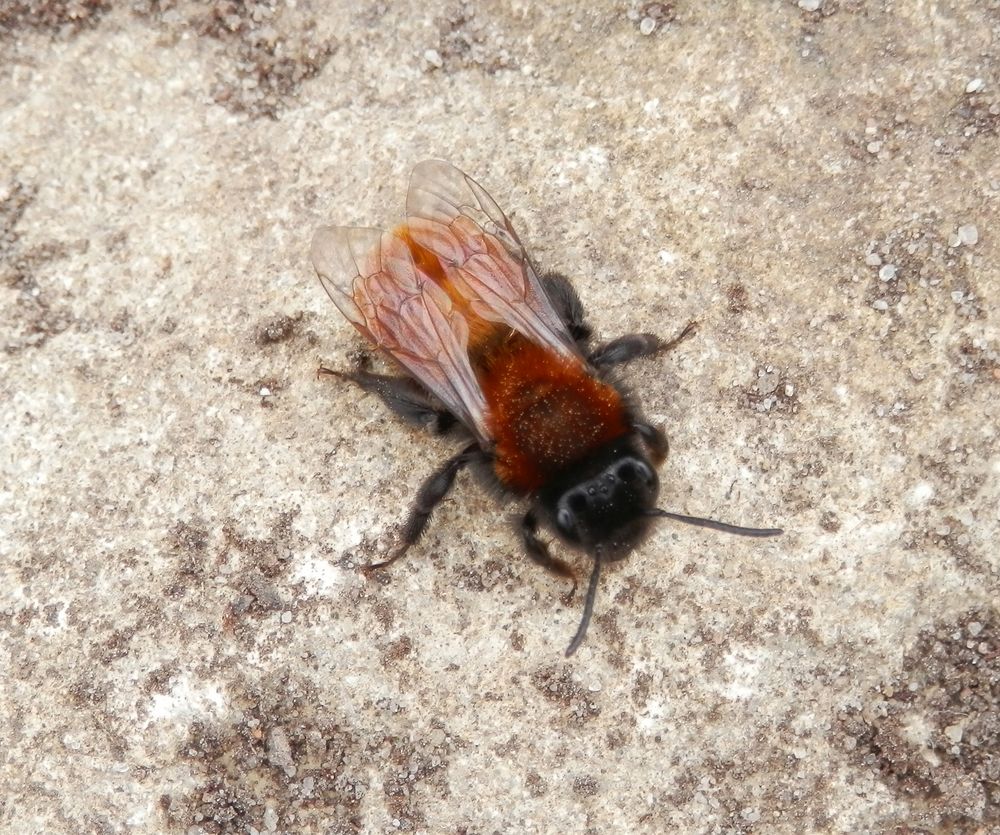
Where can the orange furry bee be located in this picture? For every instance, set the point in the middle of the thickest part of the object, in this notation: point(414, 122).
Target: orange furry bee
point(503, 352)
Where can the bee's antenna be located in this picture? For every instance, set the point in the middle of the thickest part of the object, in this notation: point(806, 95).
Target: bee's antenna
point(588, 607)
point(714, 524)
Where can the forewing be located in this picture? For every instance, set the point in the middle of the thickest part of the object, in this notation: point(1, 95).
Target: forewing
point(338, 255)
point(454, 217)
point(371, 277)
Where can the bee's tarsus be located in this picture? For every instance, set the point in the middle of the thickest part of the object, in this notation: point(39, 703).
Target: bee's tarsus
point(538, 551)
point(330, 372)
point(689, 330)
point(372, 567)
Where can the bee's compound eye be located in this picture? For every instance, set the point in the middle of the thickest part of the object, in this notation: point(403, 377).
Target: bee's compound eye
point(635, 469)
point(626, 471)
point(645, 472)
point(571, 507)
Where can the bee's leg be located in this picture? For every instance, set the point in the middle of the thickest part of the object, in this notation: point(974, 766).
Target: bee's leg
point(402, 396)
point(538, 551)
point(567, 304)
point(654, 439)
point(635, 345)
point(430, 494)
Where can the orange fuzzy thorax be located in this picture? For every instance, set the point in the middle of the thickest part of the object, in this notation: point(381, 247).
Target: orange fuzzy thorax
point(546, 412)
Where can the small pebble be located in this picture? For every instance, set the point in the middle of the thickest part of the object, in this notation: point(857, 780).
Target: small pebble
point(873, 259)
point(887, 273)
point(767, 383)
point(265, 391)
point(880, 304)
point(810, 5)
point(974, 86)
point(874, 147)
point(286, 617)
point(975, 628)
point(647, 26)
point(968, 234)
point(433, 57)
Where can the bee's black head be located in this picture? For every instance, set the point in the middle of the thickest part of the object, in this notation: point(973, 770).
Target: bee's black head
point(605, 504)
point(602, 504)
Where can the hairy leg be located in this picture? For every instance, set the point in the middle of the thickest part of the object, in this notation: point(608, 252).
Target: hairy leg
point(404, 397)
point(429, 496)
point(538, 551)
point(635, 345)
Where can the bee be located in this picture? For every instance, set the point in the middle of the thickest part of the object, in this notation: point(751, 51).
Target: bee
point(493, 349)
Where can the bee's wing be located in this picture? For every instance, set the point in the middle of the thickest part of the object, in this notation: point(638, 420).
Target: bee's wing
point(454, 217)
point(338, 255)
point(371, 277)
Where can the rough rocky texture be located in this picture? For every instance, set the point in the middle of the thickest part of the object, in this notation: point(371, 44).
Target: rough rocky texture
point(186, 643)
